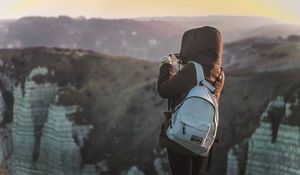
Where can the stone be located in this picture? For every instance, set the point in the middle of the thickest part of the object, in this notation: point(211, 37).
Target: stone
point(264, 156)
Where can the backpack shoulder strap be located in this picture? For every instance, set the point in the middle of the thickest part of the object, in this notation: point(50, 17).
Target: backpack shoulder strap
point(199, 72)
point(200, 77)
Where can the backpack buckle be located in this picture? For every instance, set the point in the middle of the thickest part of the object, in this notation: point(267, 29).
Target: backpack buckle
point(208, 86)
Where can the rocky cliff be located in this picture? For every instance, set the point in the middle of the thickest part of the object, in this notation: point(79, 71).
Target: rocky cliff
point(274, 146)
point(270, 143)
point(80, 112)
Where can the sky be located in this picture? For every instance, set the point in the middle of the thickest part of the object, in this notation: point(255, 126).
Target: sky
point(287, 10)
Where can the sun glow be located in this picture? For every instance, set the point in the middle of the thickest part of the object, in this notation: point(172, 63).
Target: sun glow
point(279, 9)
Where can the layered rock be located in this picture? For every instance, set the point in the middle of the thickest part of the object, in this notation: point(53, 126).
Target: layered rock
point(259, 70)
point(274, 148)
point(30, 114)
point(6, 101)
point(45, 140)
point(5, 144)
point(59, 152)
point(59, 116)
point(3, 132)
point(44, 132)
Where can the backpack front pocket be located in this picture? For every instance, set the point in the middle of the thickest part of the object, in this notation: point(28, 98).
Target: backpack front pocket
point(191, 130)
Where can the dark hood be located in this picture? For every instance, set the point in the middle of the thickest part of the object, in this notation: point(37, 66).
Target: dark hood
point(202, 45)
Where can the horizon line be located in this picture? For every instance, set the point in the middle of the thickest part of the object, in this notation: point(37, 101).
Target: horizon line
point(146, 17)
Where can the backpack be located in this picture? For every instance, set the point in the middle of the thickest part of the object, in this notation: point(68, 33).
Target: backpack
point(194, 121)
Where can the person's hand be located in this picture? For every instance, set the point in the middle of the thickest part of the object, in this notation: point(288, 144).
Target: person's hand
point(173, 58)
point(166, 60)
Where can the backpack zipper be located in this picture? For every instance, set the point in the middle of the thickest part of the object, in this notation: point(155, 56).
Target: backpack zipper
point(183, 129)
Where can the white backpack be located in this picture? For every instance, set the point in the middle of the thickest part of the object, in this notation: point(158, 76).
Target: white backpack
point(195, 120)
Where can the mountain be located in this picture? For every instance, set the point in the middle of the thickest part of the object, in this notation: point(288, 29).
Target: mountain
point(236, 28)
point(145, 38)
point(263, 54)
point(142, 39)
point(66, 111)
point(278, 30)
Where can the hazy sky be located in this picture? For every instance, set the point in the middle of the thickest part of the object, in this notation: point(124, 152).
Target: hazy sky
point(280, 9)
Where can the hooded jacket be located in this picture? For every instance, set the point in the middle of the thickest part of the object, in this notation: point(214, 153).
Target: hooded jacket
point(201, 45)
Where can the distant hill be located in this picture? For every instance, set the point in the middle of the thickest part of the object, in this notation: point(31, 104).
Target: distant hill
point(278, 30)
point(263, 54)
point(144, 38)
point(236, 28)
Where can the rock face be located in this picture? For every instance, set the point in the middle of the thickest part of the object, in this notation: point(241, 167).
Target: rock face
point(266, 135)
point(42, 129)
point(62, 112)
point(29, 116)
point(274, 148)
point(58, 135)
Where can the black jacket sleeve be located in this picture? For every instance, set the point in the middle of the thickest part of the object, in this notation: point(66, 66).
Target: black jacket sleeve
point(170, 83)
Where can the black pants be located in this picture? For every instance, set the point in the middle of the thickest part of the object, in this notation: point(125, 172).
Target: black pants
point(184, 165)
